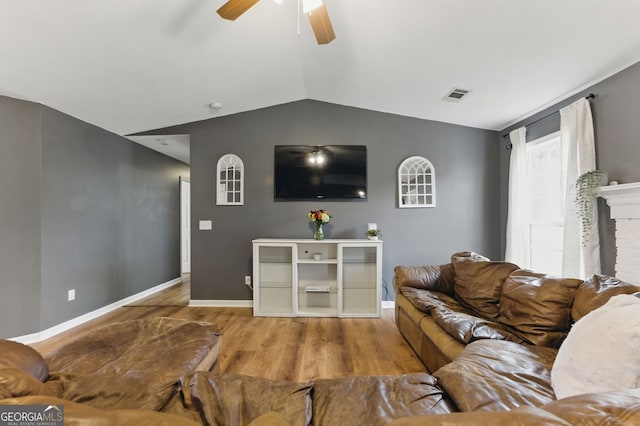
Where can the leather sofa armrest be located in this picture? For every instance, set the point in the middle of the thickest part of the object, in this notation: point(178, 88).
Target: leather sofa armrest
point(438, 278)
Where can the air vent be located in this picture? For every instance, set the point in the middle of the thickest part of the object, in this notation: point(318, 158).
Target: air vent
point(456, 95)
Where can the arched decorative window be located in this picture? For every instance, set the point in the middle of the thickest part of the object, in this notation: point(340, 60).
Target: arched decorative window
point(230, 179)
point(416, 183)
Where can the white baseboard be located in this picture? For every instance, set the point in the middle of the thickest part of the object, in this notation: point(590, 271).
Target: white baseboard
point(221, 303)
point(388, 304)
point(67, 325)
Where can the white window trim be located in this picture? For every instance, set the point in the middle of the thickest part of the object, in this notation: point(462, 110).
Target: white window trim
point(543, 139)
point(530, 146)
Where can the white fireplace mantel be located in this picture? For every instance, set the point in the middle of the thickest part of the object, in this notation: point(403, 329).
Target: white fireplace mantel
point(624, 201)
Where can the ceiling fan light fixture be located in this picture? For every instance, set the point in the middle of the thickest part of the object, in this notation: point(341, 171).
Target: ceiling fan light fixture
point(319, 19)
point(309, 5)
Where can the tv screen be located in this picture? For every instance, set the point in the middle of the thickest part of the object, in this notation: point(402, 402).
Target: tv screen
point(330, 172)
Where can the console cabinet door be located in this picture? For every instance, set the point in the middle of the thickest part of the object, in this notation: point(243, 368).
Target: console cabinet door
point(274, 278)
point(360, 272)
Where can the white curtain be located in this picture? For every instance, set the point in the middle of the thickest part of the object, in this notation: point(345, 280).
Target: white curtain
point(518, 247)
point(580, 258)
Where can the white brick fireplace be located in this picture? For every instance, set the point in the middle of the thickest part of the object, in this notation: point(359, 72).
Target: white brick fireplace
point(624, 201)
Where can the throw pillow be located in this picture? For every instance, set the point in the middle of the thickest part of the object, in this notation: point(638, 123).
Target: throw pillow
point(478, 282)
point(601, 352)
point(537, 306)
point(24, 357)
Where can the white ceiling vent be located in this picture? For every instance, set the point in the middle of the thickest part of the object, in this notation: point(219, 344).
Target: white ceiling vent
point(456, 95)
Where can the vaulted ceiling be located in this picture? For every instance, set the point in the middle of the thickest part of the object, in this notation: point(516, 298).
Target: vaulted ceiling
point(135, 65)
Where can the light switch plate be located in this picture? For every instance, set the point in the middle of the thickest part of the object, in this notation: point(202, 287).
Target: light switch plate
point(205, 225)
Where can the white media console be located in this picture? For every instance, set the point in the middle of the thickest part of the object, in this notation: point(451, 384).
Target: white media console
point(324, 278)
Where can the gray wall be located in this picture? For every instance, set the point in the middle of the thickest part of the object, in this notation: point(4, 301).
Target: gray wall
point(106, 215)
point(465, 160)
point(19, 217)
point(617, 126)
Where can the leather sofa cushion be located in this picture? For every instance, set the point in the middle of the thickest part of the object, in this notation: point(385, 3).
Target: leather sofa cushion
point(605, 408)
point(131, 364)
point(111, 392)
point(610, 408)
point(494, 375)
point(76, 414)
point(435, 278)
point(376, 400)
point(455, 319)
point(425, 300)
point(137, 348)
point(270, 419)
point(523, 416)
point(467, 328)
point(235, 400)
point(14, 354)
point(596, 291)
point(537, 306)
point(478, 282)
point(15, 382)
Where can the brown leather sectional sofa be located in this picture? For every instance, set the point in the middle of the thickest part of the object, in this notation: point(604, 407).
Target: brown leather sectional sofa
point(441, 309)
point(497, 376)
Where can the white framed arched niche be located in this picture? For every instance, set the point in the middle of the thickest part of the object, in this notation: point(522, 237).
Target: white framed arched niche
point(416, 183)
point(230, 181)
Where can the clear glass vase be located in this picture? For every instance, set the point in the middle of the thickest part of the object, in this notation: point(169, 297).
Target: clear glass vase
point(318, 235)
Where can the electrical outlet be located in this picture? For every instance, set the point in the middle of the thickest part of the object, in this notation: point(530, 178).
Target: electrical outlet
point(247, 280)
point(71, 295)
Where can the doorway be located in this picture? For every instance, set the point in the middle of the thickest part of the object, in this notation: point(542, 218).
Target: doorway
point(185, 226)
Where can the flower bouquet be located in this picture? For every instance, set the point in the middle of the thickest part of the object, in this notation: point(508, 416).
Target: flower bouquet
point(319, 217)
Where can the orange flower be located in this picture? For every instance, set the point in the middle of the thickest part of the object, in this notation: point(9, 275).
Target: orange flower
point(319, 216)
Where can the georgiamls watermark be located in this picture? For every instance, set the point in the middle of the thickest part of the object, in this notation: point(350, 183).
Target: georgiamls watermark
point(31, 415)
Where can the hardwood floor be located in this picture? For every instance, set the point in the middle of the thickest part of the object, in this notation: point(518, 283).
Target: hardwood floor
point(297, 349)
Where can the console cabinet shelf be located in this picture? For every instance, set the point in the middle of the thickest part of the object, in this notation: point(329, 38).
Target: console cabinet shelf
point(326, 278)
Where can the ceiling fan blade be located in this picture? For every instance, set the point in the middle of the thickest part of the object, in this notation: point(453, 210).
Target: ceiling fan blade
point(321, 24)
point(234, 8)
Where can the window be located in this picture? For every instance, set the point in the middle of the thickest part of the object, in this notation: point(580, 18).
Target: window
point(230, 176)
point(546, 176)
point(416, 183)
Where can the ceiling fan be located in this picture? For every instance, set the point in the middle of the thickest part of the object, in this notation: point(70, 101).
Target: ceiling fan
point(315, 9)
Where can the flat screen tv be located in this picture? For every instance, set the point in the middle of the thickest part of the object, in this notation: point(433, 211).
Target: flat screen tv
point(330, 172)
